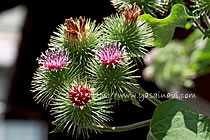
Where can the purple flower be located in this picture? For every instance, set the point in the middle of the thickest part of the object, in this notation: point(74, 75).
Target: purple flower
point(110, 54)
point(80, 95)
point(54, 59)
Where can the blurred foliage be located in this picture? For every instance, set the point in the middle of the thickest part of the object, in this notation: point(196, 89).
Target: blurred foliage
point(180, 61)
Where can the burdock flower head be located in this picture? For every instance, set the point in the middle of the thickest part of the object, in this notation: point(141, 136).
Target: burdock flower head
point(75, 30)
point(80, 109)
point(53, 59)
point(80, 95)
point(110, 54)
point(132, 13)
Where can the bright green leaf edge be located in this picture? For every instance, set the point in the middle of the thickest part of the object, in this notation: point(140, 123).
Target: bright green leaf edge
point(175, 120)
point(164, 28)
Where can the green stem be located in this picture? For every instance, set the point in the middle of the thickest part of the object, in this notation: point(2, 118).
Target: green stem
point(142, 92)
point(206, 20)
point(125, 127)
point(199, 26)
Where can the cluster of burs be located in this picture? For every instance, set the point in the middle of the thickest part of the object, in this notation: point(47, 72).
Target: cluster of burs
point(88, 67)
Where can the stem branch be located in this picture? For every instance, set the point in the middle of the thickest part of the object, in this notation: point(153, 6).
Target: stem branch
point(206, 20)
point(199, 26)
point(125, 127)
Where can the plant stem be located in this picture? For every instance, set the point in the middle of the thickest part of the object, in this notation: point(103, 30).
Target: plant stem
point(125, 127)
point(206, 20)
point(199, 26)
point(142, 92)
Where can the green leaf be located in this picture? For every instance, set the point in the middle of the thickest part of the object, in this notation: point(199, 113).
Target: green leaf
point(175, 120)
point(164, 28)
point(188, 25)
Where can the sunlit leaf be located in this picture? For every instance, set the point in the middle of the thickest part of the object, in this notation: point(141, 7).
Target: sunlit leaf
point(175, 120)
point(164, 28)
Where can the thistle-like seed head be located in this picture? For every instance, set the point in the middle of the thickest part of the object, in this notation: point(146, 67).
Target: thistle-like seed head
point(110, 54)
point(80, 95)
point(131, 14)
point(53, 59)
point(75, 30)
